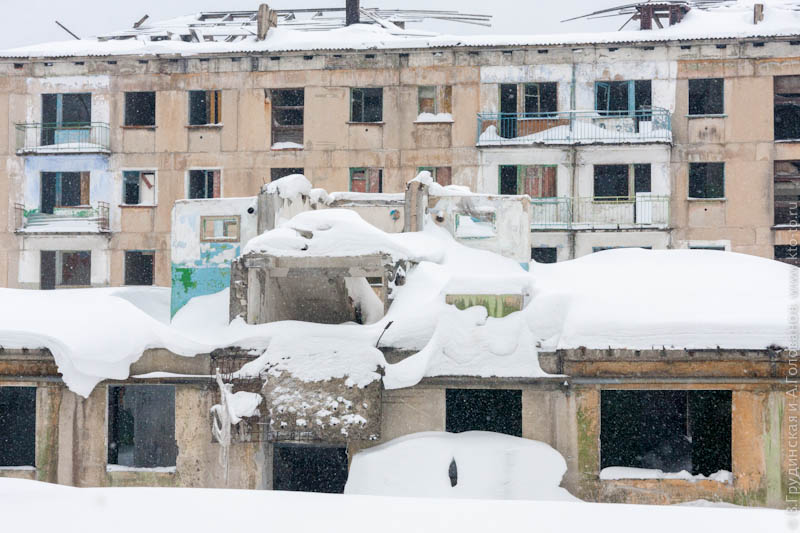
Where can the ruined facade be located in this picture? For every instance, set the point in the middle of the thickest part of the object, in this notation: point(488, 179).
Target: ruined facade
point(616, 142)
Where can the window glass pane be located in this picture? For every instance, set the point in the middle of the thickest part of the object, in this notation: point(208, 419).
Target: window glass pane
point(706, 180)
point(76, 109)
point(787, 107)
point(427, 99)
point(130, 184)
point(641, 174)
point(141, 426)
point(706, 96)
point(139, 267)
point(610, 181)
point(17, 426)
point(70, 189)
point(140, 109)
point(544, 254)
point(198, 107)
point(76, 268)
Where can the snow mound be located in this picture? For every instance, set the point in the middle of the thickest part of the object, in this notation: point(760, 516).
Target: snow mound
point(645, 299)
point(489, 466)
point(290, 186)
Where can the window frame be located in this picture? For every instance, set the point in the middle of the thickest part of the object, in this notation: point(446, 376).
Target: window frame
point(189, 183)
point(634, 177)
point(140, 171)
point(435, 173)
point(223, 218)
point(59, 271)
point(127, 117)
point(354, 170)
point(211, 95)
point(694, 165)
point(125, 268)
point(361, 91)
point(704, 90)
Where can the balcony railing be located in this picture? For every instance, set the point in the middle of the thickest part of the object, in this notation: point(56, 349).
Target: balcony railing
point(64, 138)
point(75, 219)
point(574, 127)
point(643, 211)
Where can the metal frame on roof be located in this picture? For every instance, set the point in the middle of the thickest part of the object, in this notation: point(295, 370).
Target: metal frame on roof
point(233, 26)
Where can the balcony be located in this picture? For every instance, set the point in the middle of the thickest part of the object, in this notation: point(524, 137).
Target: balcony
point(64, 138)
point(574, 127)
point(645, 211)
point(77, 219)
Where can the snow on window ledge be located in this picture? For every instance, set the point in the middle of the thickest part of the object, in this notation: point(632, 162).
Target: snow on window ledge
point(426, 118)
point(26, 468)
point(287, 146)
point(613, 473)
point(157, 469)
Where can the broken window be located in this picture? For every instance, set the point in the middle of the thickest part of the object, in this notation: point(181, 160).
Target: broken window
point(706, 97)
point(219, 229)
point(64, 269)
point(64, 189)
point(308, 468)
point(139, 267)
point(544, 254)
point(787, 254)
point(204, 184)
point(497, 410)
point(138, 187)
point(787, 107)
point(287, 115)
point(669, 430)
point(540, 98)
point(366, 105)
point(706, 180)
point(17, 426)
point(366, 180)
point(616, 181)
point(140, 108)
point(537, 181)
point(205, 107)
point(278, 173)
point(435, 99)
point(141, 426)
point(622, 97)
point(441, 175)
point(787, 192)
point(66, 118)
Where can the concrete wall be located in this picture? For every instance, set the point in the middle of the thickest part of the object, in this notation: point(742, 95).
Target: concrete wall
point(200, 267)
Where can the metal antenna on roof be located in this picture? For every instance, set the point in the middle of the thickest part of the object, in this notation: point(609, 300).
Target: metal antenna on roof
point(67, 30)
point(140, 21)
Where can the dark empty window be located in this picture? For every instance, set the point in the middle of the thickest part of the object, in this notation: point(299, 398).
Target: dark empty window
point(17, 426)
point(66, 118)
point(787, 254)
point(204, 184)
point(141, 425)
point(706, 97)
point(308, 468)
point(544, 254)
point(366, 180)
point(366, 105)
point(65, 269)
point(666, 430)
point(138, 187)
point(540, 98)
point(278, 173)
point(787, 107)
point(64, 189)
point(611, 181)
point(287, 115)
point(139, 267)
point(494, 410)
point(622, 97)
point(140, 108)
point(205, 107)
point(706, 180)
point(787, 192)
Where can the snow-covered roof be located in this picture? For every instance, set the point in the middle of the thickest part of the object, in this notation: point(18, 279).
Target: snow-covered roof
point(728, 20)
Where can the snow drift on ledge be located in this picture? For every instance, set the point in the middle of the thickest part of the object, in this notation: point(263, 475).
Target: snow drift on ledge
point(99, 510)
point(626, 298)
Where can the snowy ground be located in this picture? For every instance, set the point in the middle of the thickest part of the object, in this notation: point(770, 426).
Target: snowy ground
point(34, 506)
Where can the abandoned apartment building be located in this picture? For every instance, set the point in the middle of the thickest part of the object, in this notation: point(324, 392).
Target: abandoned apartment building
point(718, 414)
point(656, 138)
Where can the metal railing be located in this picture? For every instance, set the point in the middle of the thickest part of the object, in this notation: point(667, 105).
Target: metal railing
point(574, 127)
point(70, 137)
point(617, 212)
